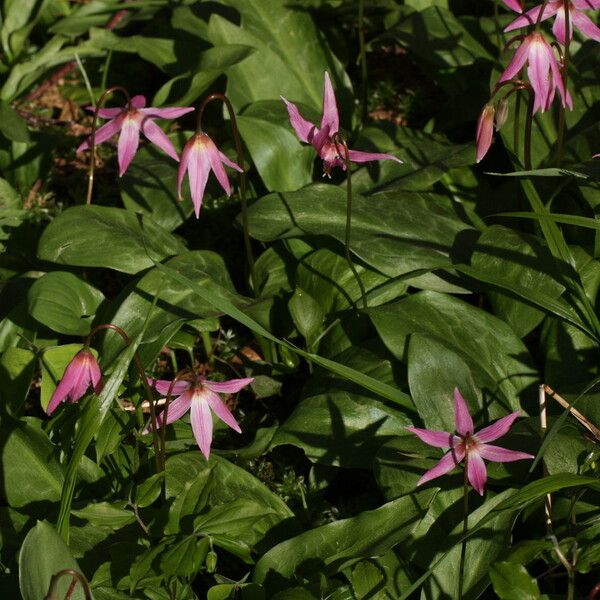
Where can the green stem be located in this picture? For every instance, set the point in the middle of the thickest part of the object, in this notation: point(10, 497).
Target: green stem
point(517, 124)
point(92, 169)
point(565, 76)
point(208, 347)
point(528, 128)
point(53, 588)
point(463, 547)
point(240, 159)
point(363, 60)
point(338, 139)
point(498, 30)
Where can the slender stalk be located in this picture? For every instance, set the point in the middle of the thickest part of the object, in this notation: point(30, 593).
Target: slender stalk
point(541, 14)
point(240, 159)
point(53, 588)
point(363, 61)
point(142, 373)
point(340, 141)
point(92, 169)
point(463, 547)
point(527, 134)
point(498, 30)
point(565, 76)
point(517, 125)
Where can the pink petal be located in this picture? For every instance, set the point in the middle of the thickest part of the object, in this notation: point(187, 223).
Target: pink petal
point(586, 4)
point(485, 131)
point(531, 16)
point(198, 169)
point(224, 158)
point(108, 113)
point(497, 428)
point(128, 143)
point(218, 169)
point(476, 471)
point(95, 375)
point(559, 27)
point(497, 454)
point(320, 138)
point(173, 112)
point(539, 67)
point(138, 101)
point(227, 387)
point(330, 117)
point(183, 164)
point(162, 386)
point(361, 157)
point(445, 465)
point(558, 83)
point(177, 408)
point(221, 410)
point(514, 5)
point(585, 25)
point(158, 137)
point(517, 62)
point(202, 425)
point(462, 418)
point(69, 380)
point(103, 133)
point(437, 439)
point(304, 129)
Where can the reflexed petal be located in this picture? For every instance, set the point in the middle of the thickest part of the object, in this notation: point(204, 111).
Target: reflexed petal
point(224, 158)
point(158, 137)
point(108, 113)
point(586, 4)
point(497, 454)
point(103, 133)
point(128, 143)
point(462, 418)
point(162, 386)
point(330, 119)
point(585, 25)
point(438, 439)
point(361, 157)
point(218, 169)
point(531, 17)
point(445, 465)
point(517, 62)
point(497, 428)
point(320, 138)
point(514, 5)
point(167, 113)
point(558, 83)
point(476, 471)
point(228, 387)
point(202, 425)
point(177, 408)
point(559, 26)
point(304, 129)
point(220, 409)
point(138, 101)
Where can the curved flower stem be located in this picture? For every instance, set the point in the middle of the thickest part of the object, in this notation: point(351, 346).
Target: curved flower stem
point(463, 547)
point(240, 159)
point(92, 169)
point(565, 76)
point(363, 60)
point(53, 588)
point(340, 141)
point(142, 373)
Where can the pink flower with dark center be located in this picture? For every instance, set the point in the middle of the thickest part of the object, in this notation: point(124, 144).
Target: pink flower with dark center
point(543, 71)
point(556, 8)
point(81, 372)
point(199, 397)
point(199, 156)
point(473, 446)
point(485, 131)
point(323, 138)
point(130, 122)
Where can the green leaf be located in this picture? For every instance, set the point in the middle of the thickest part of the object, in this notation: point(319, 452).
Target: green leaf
point(338, 545)
point(237, 591)
point(107, 237)
point(17, 367)
point(396, 233)
point(498, 360)
point(306, 314)
point(511, 581)
point(42, 555)
point(64, 303)
point(184, 558)
point(106, 514)
point(12, 125)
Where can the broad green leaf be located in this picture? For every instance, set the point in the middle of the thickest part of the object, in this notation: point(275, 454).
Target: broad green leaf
point(338, 545)
point(243, 591)
point(64, 303)
point(42, 555)
point(511, 581)
point(17, 366)
point(107, 237)
point(12, 125)
point(498, 360)
point(306, 314)
point(106, 514)
point(31, 471)
point(185, 557)
point(396, 233)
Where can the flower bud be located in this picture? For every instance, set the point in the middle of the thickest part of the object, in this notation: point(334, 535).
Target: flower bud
point(501, 113)
point(211, 562)
point(485, 131)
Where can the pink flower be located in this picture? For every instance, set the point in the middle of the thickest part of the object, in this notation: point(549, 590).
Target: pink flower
point(473, 446)
point(514, 5)
point(130, 123)
point(557, 8)
point(200, 397)
point(485, 131)
point(81, 372)
point(199, 156)
point(543, 71)
point(322, 138)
